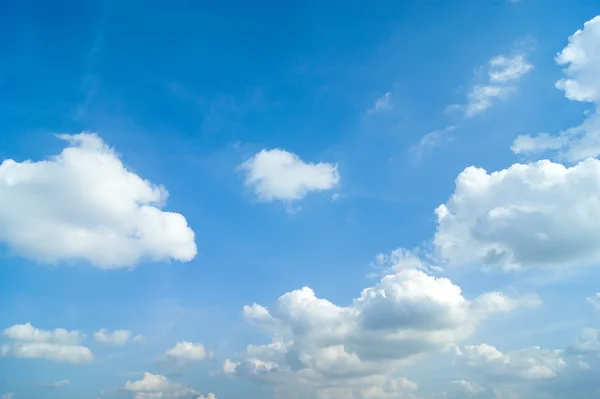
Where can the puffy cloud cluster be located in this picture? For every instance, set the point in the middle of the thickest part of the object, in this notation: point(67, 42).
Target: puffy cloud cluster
point(84, 204)
point(58, 345)
point(280, 175)
point(528, 364)
point(156, 386)
point(516, 217)
point(322, 349)
point(581, 59)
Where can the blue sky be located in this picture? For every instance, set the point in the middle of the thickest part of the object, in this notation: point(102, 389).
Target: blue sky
point(173, 176)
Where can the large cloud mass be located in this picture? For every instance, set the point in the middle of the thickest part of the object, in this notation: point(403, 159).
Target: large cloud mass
point(83, 204)
point(323, 350)
point(539, 214)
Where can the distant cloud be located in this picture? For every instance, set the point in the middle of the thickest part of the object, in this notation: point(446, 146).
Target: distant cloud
point(8, 395)
point(117, 338)
point(383, 103)
point(280, 175)
point(57, 384)
point(594, 301)
point(84, 204)
point(430, 141)
point(188, 352)
point(59, 345)
point(153, 386)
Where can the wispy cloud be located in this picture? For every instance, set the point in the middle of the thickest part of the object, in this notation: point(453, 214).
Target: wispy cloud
point(503, 72)
point(383, 103)
point(431, 140)
point(57, 384)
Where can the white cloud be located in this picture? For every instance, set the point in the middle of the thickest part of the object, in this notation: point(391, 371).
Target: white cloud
point(528, 364)
point(59, 345)
point(594, 301)
point(280, 175)
point(516, 217)
point(581, 59)
point(83, 204)
point(8, 395)
point(26, 332)
point(189, 352)
point(155, 386)
point(383, 103)
point(469, 388)
point(320, 348)
point(116, 338)
point(57, 384)
point(502, 74)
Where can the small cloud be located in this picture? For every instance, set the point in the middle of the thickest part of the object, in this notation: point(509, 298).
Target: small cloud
point(188, 352)
point(431, 140)
point(594, 301)
point(280, 175)
point(383, 103)
point(116, 338)
point(57, 384)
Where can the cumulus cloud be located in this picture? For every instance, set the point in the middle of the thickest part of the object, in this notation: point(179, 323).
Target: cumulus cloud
point(503, 71)
point(280, 175)
point(116, 338)
point(581, 60)
point(84, 204)
point(320, 348)
point(57, 384)
point(527, 364)
point(516, 217)
point(185, 351)
point(156, 386)
point(58, 345)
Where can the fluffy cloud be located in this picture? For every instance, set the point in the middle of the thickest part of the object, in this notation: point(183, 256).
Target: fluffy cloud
point(323, 350)
point(516, 217)
point(155, 386)
point(581, 60)
point(502, 73)
point(83, 204)
point(59, 345)
point(188, 352)
point(528, 364)
point(280, 175)
point(116, 338)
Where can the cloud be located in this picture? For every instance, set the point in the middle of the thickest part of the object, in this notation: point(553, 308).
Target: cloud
point(8, 395)
point(319, 348)
point(469, 388)
point(383, 103)
point(516, 217)
point(116, 338)
point(280, 175)
point(581, 60)
point(526, 364)
point(57, 384)
point(83, 204)
point(594, 301)
point(431, 140)
point(188, 352)
point(155, 386)
point(503, 72)
point(59, 345)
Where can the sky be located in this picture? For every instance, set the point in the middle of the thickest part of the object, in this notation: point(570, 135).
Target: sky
point(300, 200)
